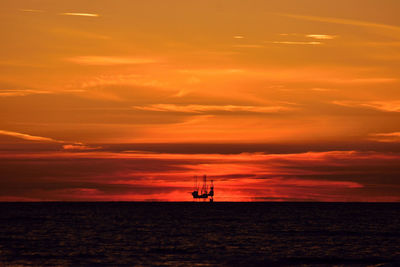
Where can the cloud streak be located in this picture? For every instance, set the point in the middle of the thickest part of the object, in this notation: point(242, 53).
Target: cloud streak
point(28, 136)
point(342, 21)
point(80, 14)
point(296, 43)
point(80, 147)
point(211, 108)
point(32, 10)
point(67, 146)
point(248, 46)
point(214, 71)
point(386, 137)
point(22, 92)
point(386, 106)
point(321, 36)
point(313, 36)
point(110, 60)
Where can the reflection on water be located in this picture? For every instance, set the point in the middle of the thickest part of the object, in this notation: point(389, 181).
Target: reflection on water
point(202, 234)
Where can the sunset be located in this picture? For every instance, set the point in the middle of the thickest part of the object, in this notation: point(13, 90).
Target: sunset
point(128, 101)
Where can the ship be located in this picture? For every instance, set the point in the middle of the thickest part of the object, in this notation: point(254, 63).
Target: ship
point(204, 192)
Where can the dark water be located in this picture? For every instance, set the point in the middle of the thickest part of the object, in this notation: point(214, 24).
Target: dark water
point(189, 234)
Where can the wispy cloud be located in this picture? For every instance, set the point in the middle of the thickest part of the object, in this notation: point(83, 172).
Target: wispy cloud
point(313, 36)
point(364, 80)
point(248, 46)
point(342, 21)
point(213, 71)
point(318, 89)
point(28, 136)
point(296, 43)
point(386, 137)
point(79, 146)
point(22, 92)
point(337, 76)
point(183, 92)
point(313, 183)
point(123, 79)
point(321, 36)
point(80, 14)
point(211, 108)
point(387, 106)
point(27, 92)
point(66, 145)
point(110, 60)
point(32, 10)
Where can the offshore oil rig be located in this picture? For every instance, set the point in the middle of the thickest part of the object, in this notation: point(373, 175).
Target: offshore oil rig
point(204, 193)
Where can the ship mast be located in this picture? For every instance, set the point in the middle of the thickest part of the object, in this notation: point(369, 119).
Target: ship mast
point(211, 193)
point(204, 188)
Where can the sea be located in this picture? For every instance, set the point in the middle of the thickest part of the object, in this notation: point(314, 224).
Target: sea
point(199, 234)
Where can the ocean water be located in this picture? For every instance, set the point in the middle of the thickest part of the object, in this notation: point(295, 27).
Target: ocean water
point(199, 234)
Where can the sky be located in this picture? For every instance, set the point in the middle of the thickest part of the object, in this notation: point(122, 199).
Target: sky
point(289, 100)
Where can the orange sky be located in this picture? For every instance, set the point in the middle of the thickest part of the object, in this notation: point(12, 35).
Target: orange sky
point(276, 100)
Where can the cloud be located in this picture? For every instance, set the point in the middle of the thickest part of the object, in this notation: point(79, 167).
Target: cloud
point(248, 46)
point(387, 106)
point(214, 71)
point(342, 21)
point(110, 60)
point(306, 74)
point(183, 92)
point(28, 136)
point(386, 137)
point(323, 176)
point(348, 75)
point(79, 146)
point(80, 14)
point(32, 10)
point(321, 36)
point(314, 183)
point(211, 108)
point(22, 92)
point(313, 36)
point(238, 37)
point(368, 80)
point(319, 89)
point(296, 43)
point(27, 92)
point(123, 79)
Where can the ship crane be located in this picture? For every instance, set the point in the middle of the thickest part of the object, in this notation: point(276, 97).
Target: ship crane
point(204, 193)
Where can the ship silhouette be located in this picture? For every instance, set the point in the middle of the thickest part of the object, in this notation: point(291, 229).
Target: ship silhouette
point(204, 192)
